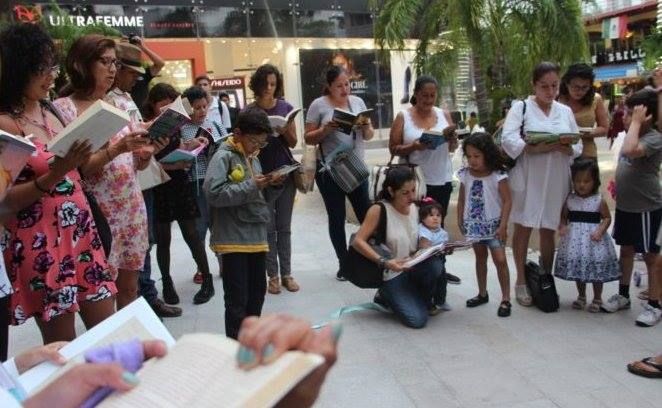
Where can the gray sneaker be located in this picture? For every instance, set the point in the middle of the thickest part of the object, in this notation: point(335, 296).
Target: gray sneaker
point(615, 303)
point(649, 317)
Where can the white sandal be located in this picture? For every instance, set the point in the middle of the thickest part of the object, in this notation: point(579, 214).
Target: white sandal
point(523, 295)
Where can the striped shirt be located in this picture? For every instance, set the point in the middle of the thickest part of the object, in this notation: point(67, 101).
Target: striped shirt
point(188, 132)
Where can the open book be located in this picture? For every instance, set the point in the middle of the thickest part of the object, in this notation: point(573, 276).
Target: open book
point(347, 120)
point(280, 121)
point(201, 371)
point(137, 320)
point(182, 155)
point(432, 138)
point(283, 170)
point(428, 252)
point(97, 125)
point(14, 153)
point(533, 137)
point(172, 118)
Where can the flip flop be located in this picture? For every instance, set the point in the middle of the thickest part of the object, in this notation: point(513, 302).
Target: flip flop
point(644, 373)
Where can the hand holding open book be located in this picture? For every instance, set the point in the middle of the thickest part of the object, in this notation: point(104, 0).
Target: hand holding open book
point(428, 252)
point(534, 137)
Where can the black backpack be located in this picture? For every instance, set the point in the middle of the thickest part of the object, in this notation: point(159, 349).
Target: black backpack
point(542, 287)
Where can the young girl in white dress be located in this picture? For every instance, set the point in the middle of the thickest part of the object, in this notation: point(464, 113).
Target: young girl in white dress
point(586, 252)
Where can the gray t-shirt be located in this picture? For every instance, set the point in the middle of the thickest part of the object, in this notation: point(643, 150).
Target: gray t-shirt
point(637, 180)
point(321, 111)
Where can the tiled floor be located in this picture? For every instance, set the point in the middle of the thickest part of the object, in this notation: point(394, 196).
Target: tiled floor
point(463, 358)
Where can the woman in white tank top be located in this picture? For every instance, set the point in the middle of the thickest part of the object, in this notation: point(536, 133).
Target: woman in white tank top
point(406, 131)
point(408, 293)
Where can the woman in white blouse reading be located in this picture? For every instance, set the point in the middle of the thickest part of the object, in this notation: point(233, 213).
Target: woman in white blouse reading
point(540, 181)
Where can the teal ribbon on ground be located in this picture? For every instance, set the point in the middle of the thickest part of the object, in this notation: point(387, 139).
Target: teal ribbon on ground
point(337, 314)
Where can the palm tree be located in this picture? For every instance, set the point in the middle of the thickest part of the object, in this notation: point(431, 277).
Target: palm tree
point(506, 38)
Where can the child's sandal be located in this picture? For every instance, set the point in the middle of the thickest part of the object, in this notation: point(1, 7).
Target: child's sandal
point(594, 307)
point(504, 309)
point(580, 303)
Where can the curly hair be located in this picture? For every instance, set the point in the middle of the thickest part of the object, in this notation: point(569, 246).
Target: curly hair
point(82, 56)
point(258, 82)
point(580, 71)
point(25, 50)
point(194, 93)
point(591, 166)
point(494, 159)
point(158, 93)
point(253, 121)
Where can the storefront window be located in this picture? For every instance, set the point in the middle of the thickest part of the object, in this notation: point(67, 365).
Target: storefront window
point(178, 73)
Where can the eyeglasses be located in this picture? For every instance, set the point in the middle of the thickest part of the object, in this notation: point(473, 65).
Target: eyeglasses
point(108, 62)
point(260, 144)
point(49, 70)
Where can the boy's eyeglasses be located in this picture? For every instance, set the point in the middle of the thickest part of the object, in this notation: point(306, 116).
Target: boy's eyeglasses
point(260, 144)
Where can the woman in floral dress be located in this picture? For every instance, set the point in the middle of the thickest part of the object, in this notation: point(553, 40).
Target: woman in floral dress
point(51, 247)
point(110, 175)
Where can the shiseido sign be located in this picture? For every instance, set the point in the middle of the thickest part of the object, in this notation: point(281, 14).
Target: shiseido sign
point(223, 83)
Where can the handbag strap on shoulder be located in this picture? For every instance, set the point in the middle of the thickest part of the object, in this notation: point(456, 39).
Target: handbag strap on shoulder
point(380, 233)
point(521, 129)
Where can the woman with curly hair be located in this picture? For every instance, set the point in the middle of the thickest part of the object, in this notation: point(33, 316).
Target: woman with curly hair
point(483, 208)
point(51, 247)
point(590, 112)
point(267, 86)
point(110, 174)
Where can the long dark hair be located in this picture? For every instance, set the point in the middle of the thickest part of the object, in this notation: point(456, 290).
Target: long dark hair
point(332, 73)
point(396, 177)
point(158, 93)
point(421, 81)
point(258, 82)
point(543, 69)
point(26, 50)
point(581, 71)
point(494, 159)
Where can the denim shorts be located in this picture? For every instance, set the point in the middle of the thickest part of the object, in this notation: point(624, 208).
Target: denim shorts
point(492, 243)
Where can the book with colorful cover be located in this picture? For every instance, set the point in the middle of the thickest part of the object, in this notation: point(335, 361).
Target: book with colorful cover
point(171, 119)
point(178, 155)
point(347, 120)
point(432, 138)
point(14, 153)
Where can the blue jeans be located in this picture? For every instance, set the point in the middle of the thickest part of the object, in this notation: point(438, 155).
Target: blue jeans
point(334, 201)
point(411, 293)
point(147, 287)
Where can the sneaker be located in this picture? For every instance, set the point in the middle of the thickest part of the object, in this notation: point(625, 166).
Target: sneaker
point(615, 303)
point(289, 283)
point(452, 279)
point(197, 278)
point(339, 277)
point(274, 286)
point(445, 307)
point(649, 317)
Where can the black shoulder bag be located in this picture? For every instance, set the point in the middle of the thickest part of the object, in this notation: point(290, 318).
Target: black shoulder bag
point(358, 269)
point(508, 161)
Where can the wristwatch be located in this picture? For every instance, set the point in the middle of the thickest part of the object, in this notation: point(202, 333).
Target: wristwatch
point(382, 262)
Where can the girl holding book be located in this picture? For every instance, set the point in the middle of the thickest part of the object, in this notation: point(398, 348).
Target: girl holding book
point(483, 208)
point(110, 174)
point(51, 246)
point(540, 181)
point(322, 130)
point(267, 86)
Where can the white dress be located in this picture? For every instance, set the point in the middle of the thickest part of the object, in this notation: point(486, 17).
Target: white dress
point(579, 258)
point(539, 182)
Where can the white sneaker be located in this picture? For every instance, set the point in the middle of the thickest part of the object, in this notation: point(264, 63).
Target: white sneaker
point(649, 317)
point(615, 303)
point(445, 307)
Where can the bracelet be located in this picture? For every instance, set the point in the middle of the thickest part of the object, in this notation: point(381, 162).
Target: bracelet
point(40, 188)
point(382, 262)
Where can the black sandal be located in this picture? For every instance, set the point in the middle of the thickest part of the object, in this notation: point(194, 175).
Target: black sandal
point(645, 373)
point(478, 300)
point(504, 309)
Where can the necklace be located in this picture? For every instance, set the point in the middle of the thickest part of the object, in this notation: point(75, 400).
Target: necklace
point(44, 125)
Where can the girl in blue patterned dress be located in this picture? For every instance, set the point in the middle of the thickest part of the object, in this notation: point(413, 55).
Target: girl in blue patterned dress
point(586, 252)
point(483, 209)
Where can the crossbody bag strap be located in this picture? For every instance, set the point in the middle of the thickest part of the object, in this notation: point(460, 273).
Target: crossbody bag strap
point(521, 129)
point(381, 227)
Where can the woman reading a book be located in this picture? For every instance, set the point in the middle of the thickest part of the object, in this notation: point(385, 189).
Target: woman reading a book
point(267, 86)
point(182, 199)
point(110, 174)
point(322, 130)
point(588, 107)
point(50, 245)
point(407, 292)
point(540, 181)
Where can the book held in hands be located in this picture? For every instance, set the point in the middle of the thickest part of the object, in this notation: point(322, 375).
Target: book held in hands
point(533, 137)
point(96, 125)
point(428, 252)
point(277, 121)
point(347, 120)
point(432, 138)
point(284, 170)
point(171, 119)
point(14, 153)
point(178, 155)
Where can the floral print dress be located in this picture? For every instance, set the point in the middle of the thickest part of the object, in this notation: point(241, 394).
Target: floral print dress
point(118, 193)
point(52, 250)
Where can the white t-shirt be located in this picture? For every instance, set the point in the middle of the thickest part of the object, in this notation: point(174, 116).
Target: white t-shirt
point(435, 164)
point(482, 203)
point(218, 111)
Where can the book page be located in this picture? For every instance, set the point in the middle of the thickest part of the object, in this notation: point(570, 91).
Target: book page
point(201, 371)
point(135, 320)
point(283, 170)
